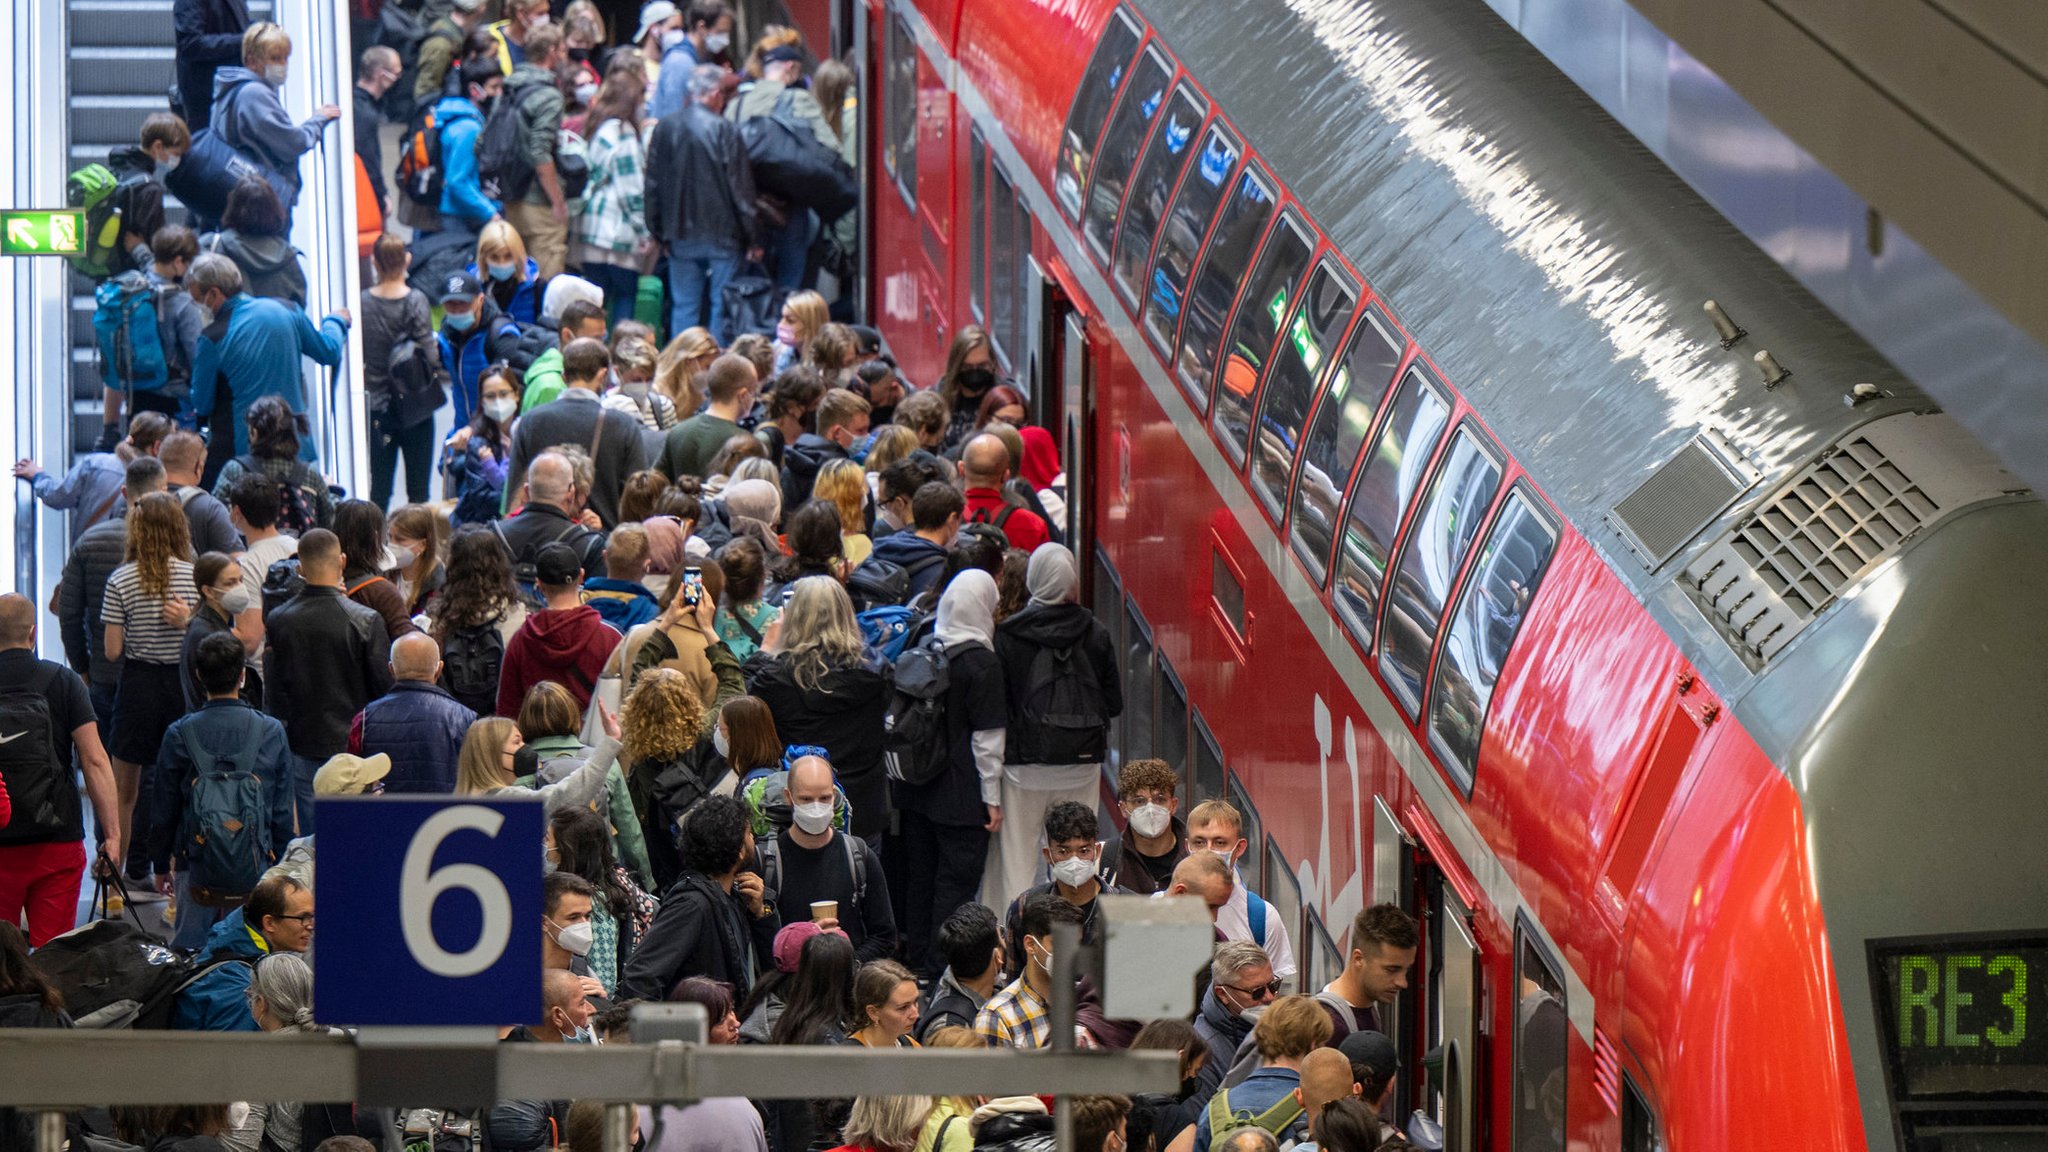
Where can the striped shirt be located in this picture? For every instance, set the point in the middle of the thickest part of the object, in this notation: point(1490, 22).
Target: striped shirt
point(146, 636)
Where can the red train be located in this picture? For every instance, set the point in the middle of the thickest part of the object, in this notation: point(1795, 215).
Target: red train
point(1676, 665)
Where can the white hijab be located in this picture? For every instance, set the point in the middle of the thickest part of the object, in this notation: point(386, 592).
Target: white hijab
point(1051, 576)
point(967, 612)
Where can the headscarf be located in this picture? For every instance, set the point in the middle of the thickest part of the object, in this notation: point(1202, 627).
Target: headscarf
point(754, 499)
point(1041, 456)
point(1051, 576)
point(967, 612)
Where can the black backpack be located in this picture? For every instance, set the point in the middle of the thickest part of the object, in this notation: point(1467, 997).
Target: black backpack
point(470, 661)
point(38, 781)
point(1064, 695)
point(914, 730)
point(421, 173)
point(525, 561)
point(281, 582)
point(501, 146)
point(416, 392)
point(793, 165)
point(295, 509)
point(878, 583)
point(112, 974)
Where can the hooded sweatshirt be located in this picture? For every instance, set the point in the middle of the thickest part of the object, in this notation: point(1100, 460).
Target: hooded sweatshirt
point(462, 192)
point(250, 118)
point(923, 559)
point(269, 264)
point(566, 645)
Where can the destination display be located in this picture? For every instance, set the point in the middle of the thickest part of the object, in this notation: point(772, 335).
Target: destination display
point(1966, 1020)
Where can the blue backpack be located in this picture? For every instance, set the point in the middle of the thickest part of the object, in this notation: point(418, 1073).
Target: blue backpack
point(226, 832)
point(887, 629)
point(127, 326)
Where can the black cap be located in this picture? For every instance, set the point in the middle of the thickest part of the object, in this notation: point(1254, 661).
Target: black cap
point(867, 339)
point(781, 52)
point(460, 286)
point(1372, 1049)
point(557, 565)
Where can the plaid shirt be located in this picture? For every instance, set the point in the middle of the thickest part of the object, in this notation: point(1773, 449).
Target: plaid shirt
point(614, 216)
point(1015, 1018)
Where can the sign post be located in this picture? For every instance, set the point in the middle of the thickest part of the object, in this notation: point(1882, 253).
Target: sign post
point(435, 905)
point(41, 232)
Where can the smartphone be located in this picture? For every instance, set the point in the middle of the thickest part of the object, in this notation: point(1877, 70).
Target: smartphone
point(693, 585)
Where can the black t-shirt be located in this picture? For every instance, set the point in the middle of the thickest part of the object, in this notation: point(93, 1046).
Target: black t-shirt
point(975, 702)
point(70, 708)
point(1160, 868)
point(811, 874)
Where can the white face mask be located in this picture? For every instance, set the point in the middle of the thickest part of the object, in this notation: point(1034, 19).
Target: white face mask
point(1150, 819)
point(575, 938)
point(236, 600)
point(637, 389)
point(275, 73)
point(716, 42)
point(501, 410)
point(887, 515)
point(720, 742)
point(671, 38)
point(402, 556)
point(1227, 855)
point(813, 818)
point(585, 93)
point(1073, 871)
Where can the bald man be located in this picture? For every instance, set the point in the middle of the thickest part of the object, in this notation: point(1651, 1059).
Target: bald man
point(417, 723)
point(985, 465)
point(1325, 1079)
point(812, 862)
point(549, 516)
point(1203, 874)
point(567, 1017)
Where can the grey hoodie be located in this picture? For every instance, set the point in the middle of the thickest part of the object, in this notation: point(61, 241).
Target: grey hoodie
point(250, 118)
point(269, 264)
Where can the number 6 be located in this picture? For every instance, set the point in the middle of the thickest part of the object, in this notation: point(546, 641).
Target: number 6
point(420, 885)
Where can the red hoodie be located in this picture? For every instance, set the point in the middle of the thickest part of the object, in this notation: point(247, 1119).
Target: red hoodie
point(566, 645)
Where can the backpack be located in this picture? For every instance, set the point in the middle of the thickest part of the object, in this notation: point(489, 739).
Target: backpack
point(210, 170)
point(1223, 1121)
point(470, 662)
point(766, 795)
point(225, 836)
point(998, 518)
point(887, 629)
point(525, 570)
point(876, 582)
point(281, 582)
point(534, 339)
point(38, 781)
point(91, 188)
point(768, 862)
point(791, 164)
point(501, 146)
point(128, 325)
point(112, 974)
point(1063, 694)
point(295, 510)
point(416, 392)
point(421, 175)
point(914, 730)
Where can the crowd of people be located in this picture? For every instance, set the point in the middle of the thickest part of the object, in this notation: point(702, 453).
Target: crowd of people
point(787, 646)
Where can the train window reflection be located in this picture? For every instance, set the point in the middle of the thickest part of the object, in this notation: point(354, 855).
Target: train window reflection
point(1106, 72)
point(1158, 172)
point(1331, 448)
point(1200, 193)
point(1268, 298)
point(1306, 348)
point(1137, 686)
point(1126, 133)
point(1004, 257)
point(1172, 744)
point(1229, 256)
point(977, 227)
point(1208, 781)
point(1393, 471)
point(1252, 864)
point(1483, 629)
point(1542, 1039)
point(1438, 542)
point(1107, 602)
point(899, 140)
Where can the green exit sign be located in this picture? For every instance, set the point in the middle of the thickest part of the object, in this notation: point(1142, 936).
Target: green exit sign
point(41, 232)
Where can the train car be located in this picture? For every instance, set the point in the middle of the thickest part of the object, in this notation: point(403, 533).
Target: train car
point(1512, 539)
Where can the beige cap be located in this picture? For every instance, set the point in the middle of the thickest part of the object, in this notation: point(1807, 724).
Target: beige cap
point(347, 775)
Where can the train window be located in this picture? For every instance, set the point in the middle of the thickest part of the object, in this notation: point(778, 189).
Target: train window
point(1121, 141)
point(1438, 541)
point(1106, 70)
point(1003, 258)
point(1021, 284)
point(1172, 744)
point(1283, 892)
point(1324, 962)
point(1339, 431)
point(899, 110)
point(1107, 603)
point(1393, 471)
point(1252, 864)
point(1268, 297)
point(1638, 1121)
point(1542, 1042)
point(1158, 172)
point(1227, 258)
point(1137, 686)
point(1227, 591)
point(1208, 776)
point(1186, 224)
point(977, 226)
point(1483, 628)
point(1305, 349)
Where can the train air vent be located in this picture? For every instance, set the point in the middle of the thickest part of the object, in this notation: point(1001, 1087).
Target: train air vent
point(1606, 1071)
point(1839, 518)
point(1681, 497)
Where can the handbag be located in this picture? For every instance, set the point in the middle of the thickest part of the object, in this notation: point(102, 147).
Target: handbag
point(791, 163)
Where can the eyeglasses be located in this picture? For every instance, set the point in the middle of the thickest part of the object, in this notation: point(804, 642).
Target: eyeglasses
point(1258, 992)
point(1089, 852)
point(305, 918)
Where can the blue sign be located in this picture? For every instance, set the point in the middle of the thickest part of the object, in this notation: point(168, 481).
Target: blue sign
point(430, 909)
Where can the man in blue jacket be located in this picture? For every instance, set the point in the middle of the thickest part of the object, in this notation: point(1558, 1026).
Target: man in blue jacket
point(417, 723)
point(254, 344)
point(459, 118)
point(705, 35)
point(277, 918)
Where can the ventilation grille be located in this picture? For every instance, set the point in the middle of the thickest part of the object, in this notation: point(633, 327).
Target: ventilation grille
point(1606, 1071)
point(1680, 498)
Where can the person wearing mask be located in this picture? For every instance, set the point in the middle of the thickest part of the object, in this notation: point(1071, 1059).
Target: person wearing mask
point(688, 447)
point(475, 456)
point(1240, 979)
point(633, 365)
point(1074, 857)
point(700, 202)
point(274, 457)
point(225, 734)
point(169, 252)
point(249, 116)
point(42, 851)
point(613, 243)
point(1020, 1015)
point(567, 641)
point(507, 273)
point(208, 35)
point(550, 515)
point(328, 657)
point(415, 556)
point(1101, 1123)
point(842, 422)
point(779, 92)
point(713, 922)
point(253, 509)
point(1142, 859)
point(507, 40)
point(459, 120)
point(578, 320)
point(1216, 827)
point(935, 512)
point(541, 211)
point(579, 417)
point(805, 315)
point(277, 918)
point(254, 345)
point(1045, 765)
point(223, 599)
point(403, 402)
point(567, 1017)
point(810, 862)
point(970, 373)
point(359, 525)
point(91, 490)
point(1384, 941)
point(566, 934)
point(703, 35)
point(440, 52)
point(416, 722)
point(490, 756)
point(376, 71)
point(1289, 1029)
point(972, 948)
point(816, 679)
point(580, 845)
point(474, 335)
point(985, 467)
point(149, 601)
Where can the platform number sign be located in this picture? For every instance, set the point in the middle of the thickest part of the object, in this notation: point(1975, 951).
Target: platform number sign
point(430, 909)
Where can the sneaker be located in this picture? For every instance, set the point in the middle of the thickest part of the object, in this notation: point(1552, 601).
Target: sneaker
point(139, 890)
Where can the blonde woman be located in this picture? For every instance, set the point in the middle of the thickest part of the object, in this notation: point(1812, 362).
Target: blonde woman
point(506, 272)
point(842, 484)
point(150, 599)
point(634, 363)
point(949, 1126)
point(676, 370)
point(804, 315)
point(416, 533)
point(885, 1124)
point(490, 753)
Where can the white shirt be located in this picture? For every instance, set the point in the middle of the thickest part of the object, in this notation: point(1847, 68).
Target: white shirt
point(1234, 921)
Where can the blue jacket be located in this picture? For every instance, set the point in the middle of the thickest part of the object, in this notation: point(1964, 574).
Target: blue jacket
point(420, 726)
point(248, 115)
point(494, 338)
point(217, 1001)
point(525, 303)
point(621, 603)
point(1255, 1094)
point(221, 728)
point(672, 90)
point(255, 344)
point(924, 559)
point(479, 483)
point(462, 189)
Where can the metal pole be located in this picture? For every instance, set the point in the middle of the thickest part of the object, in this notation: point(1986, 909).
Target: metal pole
point(618, 1128)
point(49, 1132)
point(1066, 946)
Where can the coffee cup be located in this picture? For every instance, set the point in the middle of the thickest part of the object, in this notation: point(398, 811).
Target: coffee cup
point(824, 910)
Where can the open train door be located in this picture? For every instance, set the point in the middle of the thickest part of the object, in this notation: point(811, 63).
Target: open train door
point(1065, 343)
point(1450, 1087)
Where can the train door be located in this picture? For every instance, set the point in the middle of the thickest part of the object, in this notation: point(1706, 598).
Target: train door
point(1450, 1089)
point(1076, 425)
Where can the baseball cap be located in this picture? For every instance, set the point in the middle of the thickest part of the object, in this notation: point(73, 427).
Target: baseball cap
point(460, 286)
point(557, 564)
point(347, 775)
point(781, 52)
point(655, 14)
point(1372, 1049)
point(789, 943)
point(470, 5)
point(867, 340)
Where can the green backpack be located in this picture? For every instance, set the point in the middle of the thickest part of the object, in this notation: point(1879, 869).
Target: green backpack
point(92, 188)
point(1223, 1121)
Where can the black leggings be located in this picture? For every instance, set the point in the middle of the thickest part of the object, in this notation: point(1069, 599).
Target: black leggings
point(417, 442)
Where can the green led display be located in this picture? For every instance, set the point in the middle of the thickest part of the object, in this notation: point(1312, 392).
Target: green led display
point(1962, 1019)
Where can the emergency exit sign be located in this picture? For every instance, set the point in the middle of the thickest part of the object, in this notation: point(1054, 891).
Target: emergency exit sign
point(41, 232)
